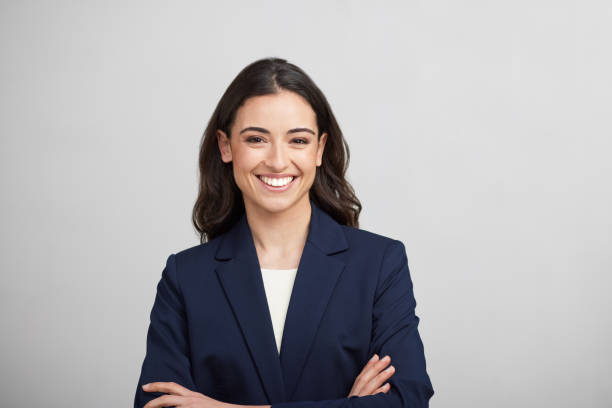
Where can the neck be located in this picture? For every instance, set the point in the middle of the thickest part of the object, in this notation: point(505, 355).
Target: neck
point(279, 233)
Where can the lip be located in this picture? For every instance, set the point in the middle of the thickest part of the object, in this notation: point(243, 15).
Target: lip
point(277, 189)
point(276, 175)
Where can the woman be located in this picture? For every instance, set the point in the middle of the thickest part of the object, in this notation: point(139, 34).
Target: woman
point(286, 302)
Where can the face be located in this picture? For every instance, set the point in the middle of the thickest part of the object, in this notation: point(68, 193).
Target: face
point(274, 150)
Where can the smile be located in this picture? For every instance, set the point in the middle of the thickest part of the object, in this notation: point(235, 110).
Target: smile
point(277, 183)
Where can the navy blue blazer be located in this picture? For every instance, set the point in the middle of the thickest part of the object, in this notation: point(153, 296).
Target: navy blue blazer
point(211, 330)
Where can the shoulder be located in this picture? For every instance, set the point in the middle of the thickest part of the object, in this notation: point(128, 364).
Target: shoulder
point(388, 253)
point(195, 256)
point(369, 249)
point(362, 239)
point(382, 258)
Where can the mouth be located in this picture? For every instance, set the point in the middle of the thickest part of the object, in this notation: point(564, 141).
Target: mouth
point(277, 184)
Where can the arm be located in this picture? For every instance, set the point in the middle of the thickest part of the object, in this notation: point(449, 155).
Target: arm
point(394, 332)
point(167, 355)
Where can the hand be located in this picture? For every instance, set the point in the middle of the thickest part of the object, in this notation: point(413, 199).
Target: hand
point(371, 378)
point(179, 396)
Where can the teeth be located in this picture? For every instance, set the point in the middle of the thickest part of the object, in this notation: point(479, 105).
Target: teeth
point(276, 182)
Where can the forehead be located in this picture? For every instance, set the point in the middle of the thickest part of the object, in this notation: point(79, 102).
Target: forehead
point(281, 110)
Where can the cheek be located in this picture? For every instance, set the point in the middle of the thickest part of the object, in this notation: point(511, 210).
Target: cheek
point(308, 161)
point(244, 161)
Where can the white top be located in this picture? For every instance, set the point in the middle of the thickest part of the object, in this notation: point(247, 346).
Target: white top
point(279, 285)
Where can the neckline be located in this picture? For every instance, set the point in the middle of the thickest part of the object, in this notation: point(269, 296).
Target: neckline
point(279, 270)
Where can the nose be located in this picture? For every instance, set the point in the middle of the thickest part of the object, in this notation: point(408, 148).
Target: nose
point(277, 158)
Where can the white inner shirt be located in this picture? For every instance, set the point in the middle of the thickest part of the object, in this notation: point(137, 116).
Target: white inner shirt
point(279, 285)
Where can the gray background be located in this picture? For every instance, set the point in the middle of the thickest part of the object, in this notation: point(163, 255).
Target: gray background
point(480, 137)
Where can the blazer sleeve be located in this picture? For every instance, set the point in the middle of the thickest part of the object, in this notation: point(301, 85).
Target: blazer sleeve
point(394, 332)
point(167, 354)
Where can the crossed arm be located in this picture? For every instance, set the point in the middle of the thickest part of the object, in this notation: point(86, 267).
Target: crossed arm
point(394, 333)
point(370, 381)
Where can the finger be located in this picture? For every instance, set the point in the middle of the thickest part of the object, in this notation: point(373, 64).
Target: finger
point(384, 389)
point(373, 360)
point(369, 373)
point(382, 363)
point(380, 379)
point(165, 401)
point(384, 375)
point(167, 387)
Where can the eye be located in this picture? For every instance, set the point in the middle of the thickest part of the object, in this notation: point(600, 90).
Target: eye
point(301, 140)
point(253, 139)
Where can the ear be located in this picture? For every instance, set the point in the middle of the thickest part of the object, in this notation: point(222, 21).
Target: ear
point(224, 146)
point(320, 148)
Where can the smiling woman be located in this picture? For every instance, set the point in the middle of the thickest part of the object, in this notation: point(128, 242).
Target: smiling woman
point(285, 302)
point(271, 115)
point(269, 159)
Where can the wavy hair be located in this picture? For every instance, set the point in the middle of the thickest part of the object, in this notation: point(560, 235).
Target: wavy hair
point(220, 204)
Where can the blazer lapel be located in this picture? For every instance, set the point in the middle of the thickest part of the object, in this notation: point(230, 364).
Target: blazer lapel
point(243, 285)
point(314, 282)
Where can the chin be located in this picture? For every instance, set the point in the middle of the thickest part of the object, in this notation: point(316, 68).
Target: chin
point(275, 205)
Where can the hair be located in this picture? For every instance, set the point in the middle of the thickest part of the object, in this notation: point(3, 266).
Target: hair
point(220, 204)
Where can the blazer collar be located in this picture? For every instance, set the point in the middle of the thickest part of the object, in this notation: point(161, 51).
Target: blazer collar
point(317, 274)
point(324, 232)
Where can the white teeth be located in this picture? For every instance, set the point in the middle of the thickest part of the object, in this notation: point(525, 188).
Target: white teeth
point(276, 182)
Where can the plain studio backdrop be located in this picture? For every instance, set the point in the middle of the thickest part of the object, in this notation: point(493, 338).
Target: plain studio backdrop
point(480, 136)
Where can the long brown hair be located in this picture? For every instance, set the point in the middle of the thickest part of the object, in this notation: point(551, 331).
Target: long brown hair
point(220, 204)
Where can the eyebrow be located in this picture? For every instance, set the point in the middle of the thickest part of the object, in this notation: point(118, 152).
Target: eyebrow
point(266, 131)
